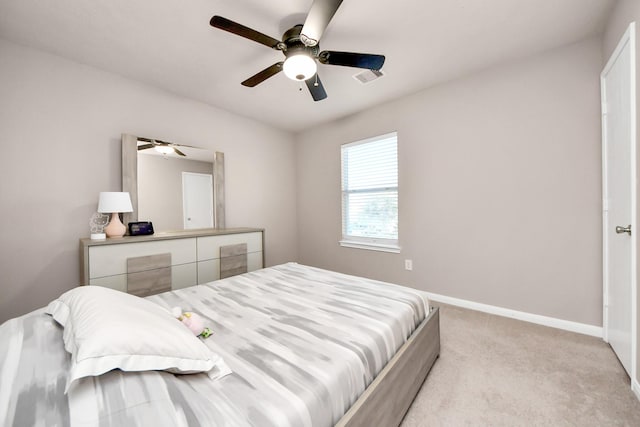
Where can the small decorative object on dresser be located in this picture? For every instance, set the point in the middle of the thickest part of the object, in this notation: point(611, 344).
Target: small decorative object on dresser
point(97, 222)
point(114, 202)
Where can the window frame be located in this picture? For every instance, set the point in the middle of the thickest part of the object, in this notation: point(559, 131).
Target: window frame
point(360, 242)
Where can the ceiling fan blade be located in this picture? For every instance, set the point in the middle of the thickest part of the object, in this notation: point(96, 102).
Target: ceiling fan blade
point(317, 20)
point(316, 88)
point(242, 31)
point(263, 75)
point(178, 152)
point(145, 146)
point(350, 59)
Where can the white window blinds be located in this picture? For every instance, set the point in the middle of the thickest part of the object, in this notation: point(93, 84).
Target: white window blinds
point(370, 192)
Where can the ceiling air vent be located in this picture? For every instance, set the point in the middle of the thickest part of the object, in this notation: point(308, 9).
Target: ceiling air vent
point(368, 76)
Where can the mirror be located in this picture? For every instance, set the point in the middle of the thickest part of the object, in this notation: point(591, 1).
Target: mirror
point(177, 187)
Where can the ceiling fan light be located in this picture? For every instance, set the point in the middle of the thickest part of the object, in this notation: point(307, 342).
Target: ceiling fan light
point(164, 149)
point(299, 67)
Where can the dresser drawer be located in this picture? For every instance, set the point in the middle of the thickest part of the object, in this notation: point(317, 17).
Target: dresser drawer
point(254, 261)
point(209, 270)
point(111, 260)
point(209, 246)
point(182, 276)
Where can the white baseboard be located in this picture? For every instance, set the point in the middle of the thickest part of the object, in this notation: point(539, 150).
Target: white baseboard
point(581, 328)
point(635, 387)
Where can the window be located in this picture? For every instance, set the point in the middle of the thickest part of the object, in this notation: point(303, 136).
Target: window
point(370, 194)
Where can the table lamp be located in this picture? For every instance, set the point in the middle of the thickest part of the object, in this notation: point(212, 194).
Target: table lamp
point(114, 202)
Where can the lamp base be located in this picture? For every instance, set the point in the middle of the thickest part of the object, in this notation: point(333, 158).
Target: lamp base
point(116, 228)
point(98, 236)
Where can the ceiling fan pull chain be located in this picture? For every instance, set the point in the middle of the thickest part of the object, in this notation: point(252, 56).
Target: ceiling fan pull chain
point(300, 88)
point(316, 83)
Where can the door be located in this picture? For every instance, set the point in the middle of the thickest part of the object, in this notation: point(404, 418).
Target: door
point(197, 200)
point(619, 228)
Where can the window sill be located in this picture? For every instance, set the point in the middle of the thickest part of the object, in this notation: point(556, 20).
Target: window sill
point(370, 246)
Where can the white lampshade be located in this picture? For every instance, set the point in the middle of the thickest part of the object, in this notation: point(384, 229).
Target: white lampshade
point(112, 201)
point(299, 67)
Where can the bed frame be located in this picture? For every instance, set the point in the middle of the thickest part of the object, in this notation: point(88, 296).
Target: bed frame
point(387, 399)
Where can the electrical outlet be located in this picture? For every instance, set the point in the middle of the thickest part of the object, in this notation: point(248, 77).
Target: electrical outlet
point(408, 264)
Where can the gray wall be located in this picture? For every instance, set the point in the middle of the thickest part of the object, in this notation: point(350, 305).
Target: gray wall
point(499, 187)
point(60, 126)
point(625, 12)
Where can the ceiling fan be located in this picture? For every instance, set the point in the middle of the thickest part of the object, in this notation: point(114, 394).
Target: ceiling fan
point(161, 146)
point(300, 46)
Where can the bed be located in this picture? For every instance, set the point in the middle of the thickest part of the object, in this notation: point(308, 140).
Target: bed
point(306, 347)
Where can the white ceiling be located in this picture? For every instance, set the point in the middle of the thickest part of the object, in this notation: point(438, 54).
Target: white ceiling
point(170, 44)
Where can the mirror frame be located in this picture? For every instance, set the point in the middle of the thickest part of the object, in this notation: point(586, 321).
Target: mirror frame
point(130, 181)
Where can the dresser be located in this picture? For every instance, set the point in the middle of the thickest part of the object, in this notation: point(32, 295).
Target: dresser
point(145, 265)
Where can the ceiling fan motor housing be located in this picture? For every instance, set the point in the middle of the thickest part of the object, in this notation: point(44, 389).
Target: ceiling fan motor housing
point(294, 45)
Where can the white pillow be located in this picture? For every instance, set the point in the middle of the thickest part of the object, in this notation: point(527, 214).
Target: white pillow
point(105, 329)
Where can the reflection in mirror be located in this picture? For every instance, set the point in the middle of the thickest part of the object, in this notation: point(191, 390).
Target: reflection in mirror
point(174, 186)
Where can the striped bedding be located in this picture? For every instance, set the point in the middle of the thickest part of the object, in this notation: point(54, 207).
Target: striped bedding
point(303, 344)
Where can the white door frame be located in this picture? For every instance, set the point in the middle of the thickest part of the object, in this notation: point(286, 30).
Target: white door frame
point(629, 37)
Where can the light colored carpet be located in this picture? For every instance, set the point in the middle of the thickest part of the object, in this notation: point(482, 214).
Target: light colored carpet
point(496, 371)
